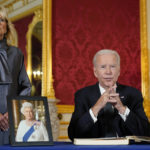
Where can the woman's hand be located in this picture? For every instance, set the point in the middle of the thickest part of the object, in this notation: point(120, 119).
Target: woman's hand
point(4, 125)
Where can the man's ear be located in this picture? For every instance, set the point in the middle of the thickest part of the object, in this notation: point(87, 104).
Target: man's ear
point(95, 71)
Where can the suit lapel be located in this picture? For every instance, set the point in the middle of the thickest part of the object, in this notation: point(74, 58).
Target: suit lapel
point(95, 93)
point(120, 90)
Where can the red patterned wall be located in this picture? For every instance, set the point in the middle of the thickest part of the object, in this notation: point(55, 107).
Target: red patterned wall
point(80, 28)
point(21, 26)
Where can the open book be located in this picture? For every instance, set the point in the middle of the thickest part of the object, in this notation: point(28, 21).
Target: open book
point(111, 141)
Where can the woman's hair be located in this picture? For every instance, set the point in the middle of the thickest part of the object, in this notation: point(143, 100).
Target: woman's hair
point(10, 34)
point(26, 105)
point(106, 51)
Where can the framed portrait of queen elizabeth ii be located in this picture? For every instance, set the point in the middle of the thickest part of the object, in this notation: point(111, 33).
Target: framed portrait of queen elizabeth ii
point(29, 121)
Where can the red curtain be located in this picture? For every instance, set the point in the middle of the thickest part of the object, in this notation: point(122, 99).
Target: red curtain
point(80, 28)
point(21, 27)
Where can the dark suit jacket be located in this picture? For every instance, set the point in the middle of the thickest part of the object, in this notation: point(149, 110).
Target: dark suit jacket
point(83, 126)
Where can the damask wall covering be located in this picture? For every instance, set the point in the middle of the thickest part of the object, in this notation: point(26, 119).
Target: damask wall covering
point(21, 26)
point(80, 28)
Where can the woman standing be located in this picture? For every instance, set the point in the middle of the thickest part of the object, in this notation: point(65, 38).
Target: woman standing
point(13, 77)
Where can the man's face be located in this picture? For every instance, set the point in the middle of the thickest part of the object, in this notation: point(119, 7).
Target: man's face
point(3, 27)
point(107, 70)
point(28, 113)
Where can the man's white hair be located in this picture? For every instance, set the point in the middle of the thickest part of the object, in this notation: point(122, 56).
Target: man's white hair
point(106, 51)
point(26, 105)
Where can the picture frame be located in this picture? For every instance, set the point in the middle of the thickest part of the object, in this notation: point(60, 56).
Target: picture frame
point(29, 121)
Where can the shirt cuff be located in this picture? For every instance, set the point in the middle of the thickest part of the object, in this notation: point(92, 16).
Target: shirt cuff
point(92, 115)
point(125, 115)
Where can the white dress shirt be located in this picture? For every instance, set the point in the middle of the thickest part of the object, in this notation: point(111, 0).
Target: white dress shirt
point(123, 116)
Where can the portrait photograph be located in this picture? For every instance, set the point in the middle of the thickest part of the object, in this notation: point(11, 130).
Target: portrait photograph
point(29, 121)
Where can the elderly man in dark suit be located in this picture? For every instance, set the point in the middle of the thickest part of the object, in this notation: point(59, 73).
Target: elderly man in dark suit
point(108, 109)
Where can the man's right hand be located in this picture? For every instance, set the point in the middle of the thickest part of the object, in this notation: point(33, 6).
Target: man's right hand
point(4, 125)
point(100, 103)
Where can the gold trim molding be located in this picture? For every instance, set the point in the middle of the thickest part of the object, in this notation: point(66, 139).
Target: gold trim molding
point(37, 18)
point(20, 8)
point(47, 78)
point(144, 56)
point(26, 13)
point(65, 108)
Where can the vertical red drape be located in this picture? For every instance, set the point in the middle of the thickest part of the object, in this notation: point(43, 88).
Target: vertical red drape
point(21, 27)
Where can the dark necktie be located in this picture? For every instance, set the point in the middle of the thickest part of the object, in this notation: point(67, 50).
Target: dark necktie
point(108, 121)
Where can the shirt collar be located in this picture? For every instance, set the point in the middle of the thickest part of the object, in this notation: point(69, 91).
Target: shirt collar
point(102, 90)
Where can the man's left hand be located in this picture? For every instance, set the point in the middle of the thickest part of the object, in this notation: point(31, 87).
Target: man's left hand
point(114, 99)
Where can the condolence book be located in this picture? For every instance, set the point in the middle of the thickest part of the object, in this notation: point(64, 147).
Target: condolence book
point(112, 141)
